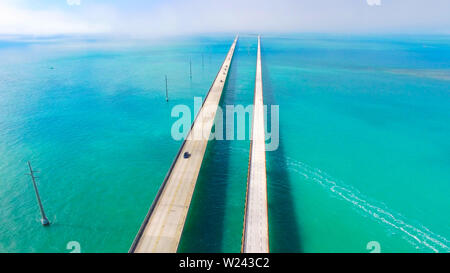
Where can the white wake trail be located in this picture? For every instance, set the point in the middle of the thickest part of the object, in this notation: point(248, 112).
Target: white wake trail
point(422, 236)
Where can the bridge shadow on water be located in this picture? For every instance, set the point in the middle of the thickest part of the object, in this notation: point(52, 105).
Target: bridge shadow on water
point(205, 223)
point(284, 230)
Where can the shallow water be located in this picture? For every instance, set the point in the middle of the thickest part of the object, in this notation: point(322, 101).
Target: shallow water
point(363, 156)
point(366, 152)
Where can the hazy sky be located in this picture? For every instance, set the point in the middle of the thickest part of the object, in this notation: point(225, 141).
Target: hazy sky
point(161, 17)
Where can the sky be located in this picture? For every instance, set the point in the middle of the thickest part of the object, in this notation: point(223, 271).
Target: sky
point(175, 17)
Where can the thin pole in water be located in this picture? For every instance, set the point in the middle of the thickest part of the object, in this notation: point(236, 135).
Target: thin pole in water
point(44, 219)
point(167, 91)
point(190, 67)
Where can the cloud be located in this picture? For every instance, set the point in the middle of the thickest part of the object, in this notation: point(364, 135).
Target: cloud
point(73, 2)
point(24, 21)
point(374, 2)
point(161, 17)
point(194, 16)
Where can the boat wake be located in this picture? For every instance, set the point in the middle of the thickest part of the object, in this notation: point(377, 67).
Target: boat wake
point(419, 236)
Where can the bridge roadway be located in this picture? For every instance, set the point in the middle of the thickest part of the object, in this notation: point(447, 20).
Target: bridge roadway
point(256, 227)
point(162, 228)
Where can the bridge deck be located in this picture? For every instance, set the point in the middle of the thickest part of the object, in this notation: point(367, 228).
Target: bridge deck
point(163, 226)
point(256, 228)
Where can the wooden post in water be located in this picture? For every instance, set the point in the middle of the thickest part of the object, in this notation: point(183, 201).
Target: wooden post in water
point(167, 91)
point(44, 219)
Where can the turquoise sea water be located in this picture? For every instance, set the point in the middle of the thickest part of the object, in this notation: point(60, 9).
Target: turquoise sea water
point(364, 152)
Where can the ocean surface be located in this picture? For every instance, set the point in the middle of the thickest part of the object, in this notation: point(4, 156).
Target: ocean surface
point(364, 156)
